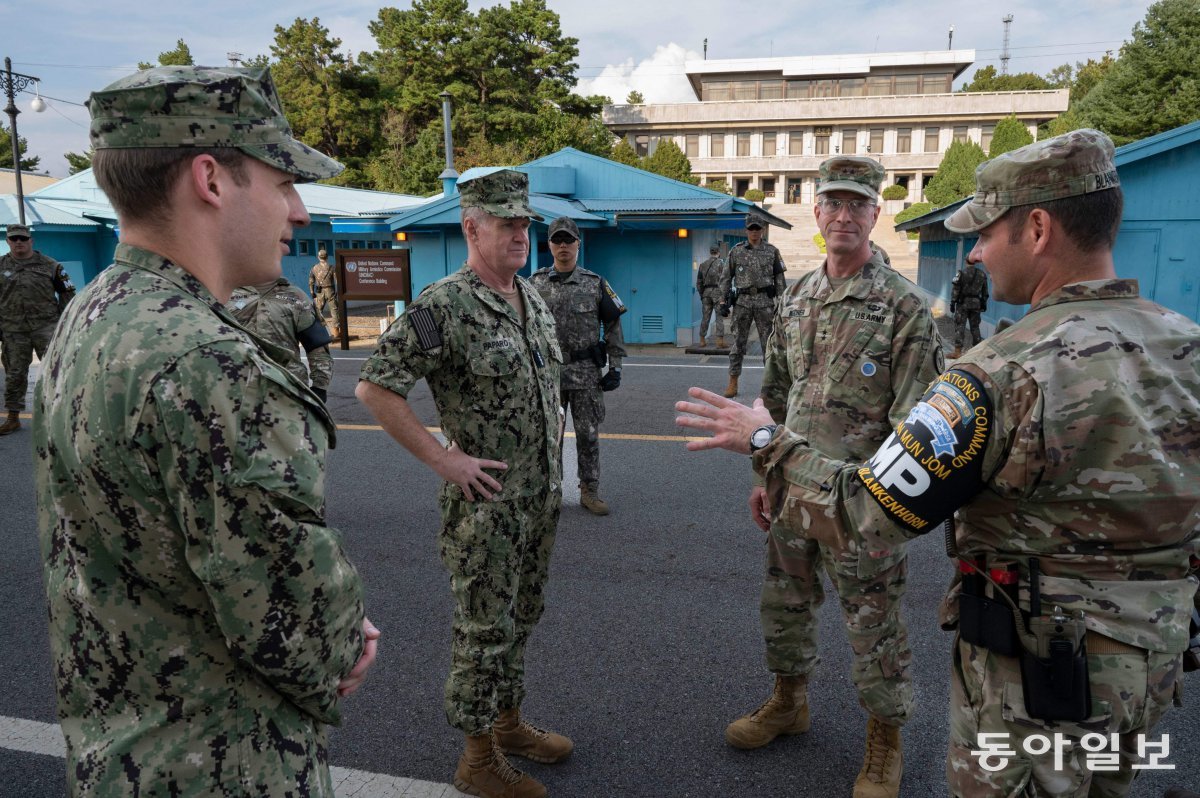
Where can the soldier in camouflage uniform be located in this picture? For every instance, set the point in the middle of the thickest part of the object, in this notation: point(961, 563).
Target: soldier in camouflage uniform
point(34, 289)
point(752, 285)
point(855, 347)
point(968, 298)
point(323, 288)
point(485, 343)
point(583, 302)
point(282, 314)
point(203, 619)
point(710, 284)
point(1069, 444)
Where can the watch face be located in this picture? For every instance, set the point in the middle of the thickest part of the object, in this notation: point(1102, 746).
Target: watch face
point(761, 437)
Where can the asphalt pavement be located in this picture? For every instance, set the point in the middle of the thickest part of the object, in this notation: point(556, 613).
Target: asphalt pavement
point(649, 646)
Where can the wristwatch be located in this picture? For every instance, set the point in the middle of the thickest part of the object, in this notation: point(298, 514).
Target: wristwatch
point(762, 436)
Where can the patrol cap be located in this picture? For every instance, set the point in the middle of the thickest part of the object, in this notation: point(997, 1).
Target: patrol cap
point(503, 193)
point(17, 229)
point(564, 224)
point(714, 249)
point(851, 173)
point(754, 220)
point(190, 106)
point(1069, 165)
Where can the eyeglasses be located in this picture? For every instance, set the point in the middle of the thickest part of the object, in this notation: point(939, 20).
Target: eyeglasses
point(18, 238)
point(833, 206)
point(563, 239)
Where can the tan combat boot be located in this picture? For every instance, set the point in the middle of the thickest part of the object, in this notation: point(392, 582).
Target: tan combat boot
point(591, 501)
point(12, 424)
point(703, 342)
point(520, 738)
point(731, 391)
point(721, 342)
point(883, 762)
point(785, 712)
point(483, 771)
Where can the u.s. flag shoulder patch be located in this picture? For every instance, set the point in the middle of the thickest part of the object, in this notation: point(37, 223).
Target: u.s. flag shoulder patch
point(425, 326)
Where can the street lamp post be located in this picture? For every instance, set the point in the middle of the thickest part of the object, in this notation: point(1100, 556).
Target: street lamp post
point(13, 83)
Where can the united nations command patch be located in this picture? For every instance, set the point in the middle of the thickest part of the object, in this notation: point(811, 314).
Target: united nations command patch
point(424, 325)
point(933, 463)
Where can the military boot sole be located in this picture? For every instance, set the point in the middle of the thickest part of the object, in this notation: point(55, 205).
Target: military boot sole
point(747, 735)
point(509, 791)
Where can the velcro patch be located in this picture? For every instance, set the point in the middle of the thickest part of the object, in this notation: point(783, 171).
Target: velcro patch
point(933, 463)
point(425, 326)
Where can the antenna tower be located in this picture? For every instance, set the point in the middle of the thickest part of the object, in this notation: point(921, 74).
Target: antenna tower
point(1004, 52)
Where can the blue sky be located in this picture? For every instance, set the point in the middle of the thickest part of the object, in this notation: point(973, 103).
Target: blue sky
point(77, 46)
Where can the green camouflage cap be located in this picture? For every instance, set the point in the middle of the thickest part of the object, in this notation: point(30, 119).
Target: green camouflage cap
point(503, 193)
point(754, 220)
point(563, 224)
point(203, 107)
point(17, 229)
point(1069, 165)
point(851, 173)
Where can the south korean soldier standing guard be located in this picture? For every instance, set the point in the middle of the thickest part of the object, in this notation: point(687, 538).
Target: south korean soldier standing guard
point(583, 304)
point(752, 284)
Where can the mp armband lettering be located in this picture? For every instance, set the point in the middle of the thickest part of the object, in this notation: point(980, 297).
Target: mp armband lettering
point(933, 463)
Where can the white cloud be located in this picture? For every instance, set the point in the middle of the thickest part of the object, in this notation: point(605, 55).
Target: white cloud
point(660, 78)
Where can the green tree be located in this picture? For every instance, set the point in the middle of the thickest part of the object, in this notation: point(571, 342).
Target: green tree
point(635, 97)
point(718, 185)
point(1087, 75)
point(1155, 83)
point(327, 97)
point(407, 168)
point(1063, 123)
point(987, 79)
point(180, 56)
point(6, 153)
point(1010, 134)
point(76, 163)
point(955, 178)
point(669, 161)
point(623, 152)
point(912, 212)
point(895, 192)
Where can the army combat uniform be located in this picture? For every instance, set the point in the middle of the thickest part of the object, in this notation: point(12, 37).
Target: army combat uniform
point(968, 298)
point(845, 364)
point(582, 302)
point(710, 284)
point(282, 314)
point(323, 287)
point(756, 273)
point(197, 600)
point(33, 293)
point(496, 386)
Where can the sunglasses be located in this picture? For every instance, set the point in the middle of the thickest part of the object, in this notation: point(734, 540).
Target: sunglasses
point(18, 238)
point(563, 239)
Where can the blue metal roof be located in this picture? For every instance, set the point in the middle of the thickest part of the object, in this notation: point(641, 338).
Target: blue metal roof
point(447, 211)
point(936, 215)
point(679, 204)
point(1154, 145)
point(39, 214)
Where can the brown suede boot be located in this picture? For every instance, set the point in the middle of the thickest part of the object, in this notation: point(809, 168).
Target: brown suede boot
point(703, 343)
point(591, 501)
point(12, 424)
point(731, 390)
point(520, 738)
point(483, 770)
point(721, 342)
point(785, 712)
point(883, 762)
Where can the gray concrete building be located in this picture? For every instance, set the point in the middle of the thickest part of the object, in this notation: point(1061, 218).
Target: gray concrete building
point(767, 123)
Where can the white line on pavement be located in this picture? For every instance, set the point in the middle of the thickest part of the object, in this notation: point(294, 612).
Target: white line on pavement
point(35, 737)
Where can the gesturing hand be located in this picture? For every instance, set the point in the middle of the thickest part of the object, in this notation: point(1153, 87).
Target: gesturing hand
point(730, 422)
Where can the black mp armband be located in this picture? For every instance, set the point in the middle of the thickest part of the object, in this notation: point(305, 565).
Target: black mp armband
point(611, 306)
point(314, 336)
point(933, 463)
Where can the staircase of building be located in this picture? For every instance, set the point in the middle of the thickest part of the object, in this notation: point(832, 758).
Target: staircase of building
point(800, 252)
